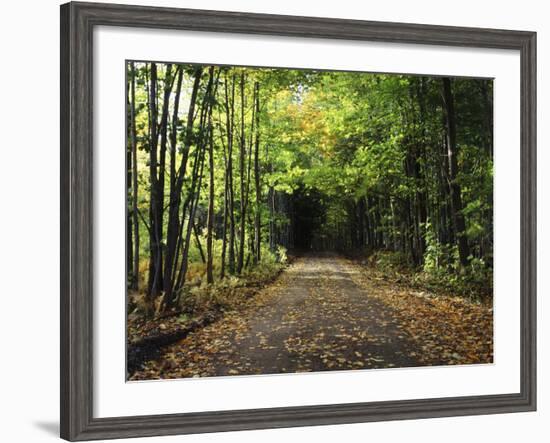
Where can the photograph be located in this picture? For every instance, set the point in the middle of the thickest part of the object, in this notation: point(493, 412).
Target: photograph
point(288, 218)
point(294, 220)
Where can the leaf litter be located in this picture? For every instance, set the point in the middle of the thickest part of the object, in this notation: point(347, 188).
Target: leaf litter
point(330, 313)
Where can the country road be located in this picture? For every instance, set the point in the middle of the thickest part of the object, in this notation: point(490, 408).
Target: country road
point(323, 314)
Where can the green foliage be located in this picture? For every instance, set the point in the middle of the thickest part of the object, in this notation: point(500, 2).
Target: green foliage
point(389, 262)
point(370, 151)
point(474, 282)
point(439, 259)
point(280, 255)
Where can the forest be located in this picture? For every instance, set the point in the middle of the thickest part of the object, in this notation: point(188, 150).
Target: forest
point(237, 174)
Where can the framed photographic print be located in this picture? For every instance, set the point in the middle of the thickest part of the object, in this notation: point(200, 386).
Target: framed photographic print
point(273, 221)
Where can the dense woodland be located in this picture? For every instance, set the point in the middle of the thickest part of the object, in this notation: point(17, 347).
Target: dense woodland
point(228, 168)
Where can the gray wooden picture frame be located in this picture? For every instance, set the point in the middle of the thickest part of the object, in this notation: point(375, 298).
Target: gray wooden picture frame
point(77, 23)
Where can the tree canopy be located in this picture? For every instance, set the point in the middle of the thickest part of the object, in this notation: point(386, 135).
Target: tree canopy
point(229, 167)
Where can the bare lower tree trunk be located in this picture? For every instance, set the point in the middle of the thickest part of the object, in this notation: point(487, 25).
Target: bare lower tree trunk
point(452, 152)
point(202, 146)
point(242, 153)
point(420, 174)
point(133, 139)
point(224, 229)
point(361, 222)
point(186, 240)
point(230, 118)
point(210, 222)
point(187, 204)
point(154, 241)
point(129, 173)
point(194, 192)
point(163, 135)
point(257, 218)
point(175, 224)
point(198, 242)
point(271, 205)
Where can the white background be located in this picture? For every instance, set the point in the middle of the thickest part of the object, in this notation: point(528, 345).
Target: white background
point(29, 223)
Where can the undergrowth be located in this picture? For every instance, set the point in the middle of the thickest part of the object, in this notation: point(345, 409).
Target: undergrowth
point(198, 297)
point(441, 272)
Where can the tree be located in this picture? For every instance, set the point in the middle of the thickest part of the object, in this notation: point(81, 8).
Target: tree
point(257, 216)
point(209, 237)
point(263, 160)
point(452, 153)
point(134, 224)
point(175, 220)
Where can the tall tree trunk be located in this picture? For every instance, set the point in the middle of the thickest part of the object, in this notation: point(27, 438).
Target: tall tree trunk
point(452, 153)
point(162, 132)
point(230, 116)
point(154, 242)
point(175, 224)
point(271, 205)
point(446, 231)
point(361, 222)
point(198, 242)
point(133, 140)
point(420, 173)
point(210, 221)
point(181, 238)
point(242, 153)
point(202, 145)
point(193, 194)
point(186, 241)
point(224, 228)
point(369, 225)
point(257, 218)
point(487, 101)
point(130, 276)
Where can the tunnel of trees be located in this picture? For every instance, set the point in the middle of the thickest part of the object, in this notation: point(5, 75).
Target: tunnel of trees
point(229, 167)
